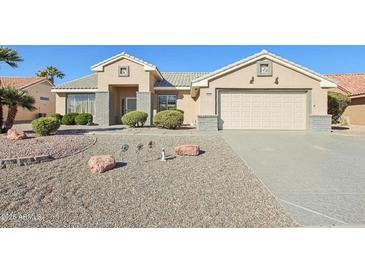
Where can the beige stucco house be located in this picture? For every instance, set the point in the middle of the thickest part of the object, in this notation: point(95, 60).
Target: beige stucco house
point(352, 85)
point(37, 87)
point(263, 91)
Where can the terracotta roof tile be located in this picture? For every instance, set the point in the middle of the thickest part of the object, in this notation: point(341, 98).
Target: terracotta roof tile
point(353, 84)
point(19, 82)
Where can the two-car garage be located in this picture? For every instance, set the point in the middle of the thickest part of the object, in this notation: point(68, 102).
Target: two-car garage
point(249, 109)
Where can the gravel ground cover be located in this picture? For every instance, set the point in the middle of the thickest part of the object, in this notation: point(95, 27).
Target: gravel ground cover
point(57, 146)
point(214, 189)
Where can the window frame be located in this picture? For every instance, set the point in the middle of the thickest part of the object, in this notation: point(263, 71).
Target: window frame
point(88, 100)
point(259, 64)
point(123, 67)
point(167, 101)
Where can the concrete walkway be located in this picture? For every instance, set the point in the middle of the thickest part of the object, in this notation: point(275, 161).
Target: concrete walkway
point(318, 178)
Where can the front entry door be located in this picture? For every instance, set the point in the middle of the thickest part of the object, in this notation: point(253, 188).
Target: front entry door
point(128, 104)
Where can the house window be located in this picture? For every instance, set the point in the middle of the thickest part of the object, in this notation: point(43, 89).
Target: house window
point(123, 71)
point(81, 103)
point(44, 98)
point(166, 102)
point(264, 68)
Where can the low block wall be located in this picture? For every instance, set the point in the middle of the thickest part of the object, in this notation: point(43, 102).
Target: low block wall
point(320, 123)
point(207, 122)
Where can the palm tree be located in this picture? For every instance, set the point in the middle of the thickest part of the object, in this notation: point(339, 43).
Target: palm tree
point(10, 57)
point(51, 72)
point(14, 98)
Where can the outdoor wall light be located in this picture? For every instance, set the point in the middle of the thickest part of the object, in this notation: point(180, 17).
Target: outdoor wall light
point(277, 80)
point(252, 80)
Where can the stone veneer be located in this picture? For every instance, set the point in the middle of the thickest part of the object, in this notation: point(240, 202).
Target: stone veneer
point(144, 104)
point(320, 123)
point(207, 122)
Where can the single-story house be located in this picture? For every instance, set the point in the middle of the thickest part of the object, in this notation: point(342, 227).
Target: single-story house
point(263, 91)
point(352, 85)
point(37, 87)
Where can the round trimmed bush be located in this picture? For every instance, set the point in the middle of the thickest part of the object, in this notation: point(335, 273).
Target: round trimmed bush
point(135, 118)
point(45, 125)
point(180, 110)
point(69, 118)
point(83, 118)
point(170, 119)
point(56, 115)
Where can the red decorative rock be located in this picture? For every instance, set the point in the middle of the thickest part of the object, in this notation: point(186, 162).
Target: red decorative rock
point(187, 150)
point(101, 163)
point(14, 134)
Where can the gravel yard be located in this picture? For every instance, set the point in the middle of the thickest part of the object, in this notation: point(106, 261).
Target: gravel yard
point(57, 146)
point(214, 189)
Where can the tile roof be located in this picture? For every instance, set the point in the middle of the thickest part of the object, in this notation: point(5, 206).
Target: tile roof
point(354, 83)
point(178, 79)
point(19, 82)
point(86, 82)
point(171, 79)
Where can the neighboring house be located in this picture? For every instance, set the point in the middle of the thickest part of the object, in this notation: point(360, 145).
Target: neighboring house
point(37, 87)
point(263, 91)
point(352, 85)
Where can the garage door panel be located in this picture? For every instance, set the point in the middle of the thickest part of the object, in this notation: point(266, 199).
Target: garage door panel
point(262, 110)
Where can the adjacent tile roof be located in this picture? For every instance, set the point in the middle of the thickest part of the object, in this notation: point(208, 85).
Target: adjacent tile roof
point(87, 82)
point(19, 82)
point(124, 54)
point(171, 79)
point(178, 79)
point(353, 84)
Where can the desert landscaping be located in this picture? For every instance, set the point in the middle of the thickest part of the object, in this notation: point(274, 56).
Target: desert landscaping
point(213, 189)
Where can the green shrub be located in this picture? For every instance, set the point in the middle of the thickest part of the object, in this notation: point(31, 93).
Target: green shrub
point(83, 118)
point(56, 115)
point(337, 104)
point(45, 125)
point(69, 118)
point(135, 118)
point(180, 110)
point(170, 119)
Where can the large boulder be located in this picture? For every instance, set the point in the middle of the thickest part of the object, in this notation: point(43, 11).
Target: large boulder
point(101, 163)
point(187, 150)
point(14, 134)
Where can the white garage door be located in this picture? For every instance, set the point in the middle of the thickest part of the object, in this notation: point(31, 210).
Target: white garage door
point(262, 110)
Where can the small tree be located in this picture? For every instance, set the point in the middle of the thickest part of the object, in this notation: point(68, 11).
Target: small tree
point(14, 98)
point(337, 103)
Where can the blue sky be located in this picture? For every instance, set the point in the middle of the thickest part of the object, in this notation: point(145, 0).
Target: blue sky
point(75, 61)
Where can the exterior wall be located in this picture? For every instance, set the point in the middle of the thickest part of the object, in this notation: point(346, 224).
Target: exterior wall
point(137, 76)
point(48, 107)
point(287, 79)
point(117, 93)
point(61, 103)
point(183, 102)
point(355, 113)
point(144, 104)
point(103, 108)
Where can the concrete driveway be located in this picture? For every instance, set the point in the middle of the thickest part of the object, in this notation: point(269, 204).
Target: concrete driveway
point(318, 178)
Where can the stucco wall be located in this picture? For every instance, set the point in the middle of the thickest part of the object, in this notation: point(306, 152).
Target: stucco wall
point(240, 79)
point(355, 113)
point(117, 93)
point(61, 103)
point(37, 90)
point(137, 76)
point(183, 102)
